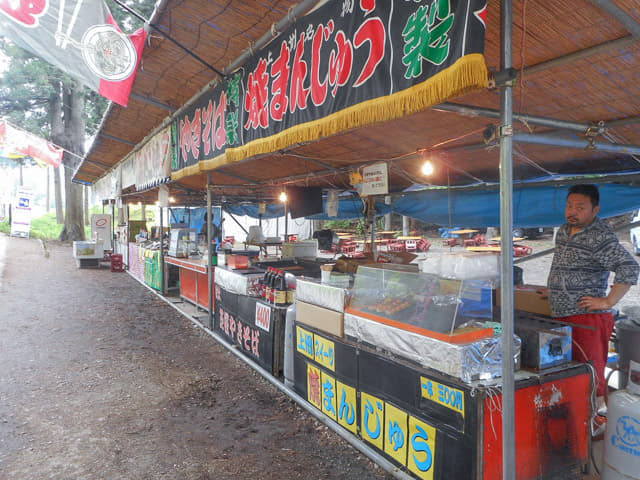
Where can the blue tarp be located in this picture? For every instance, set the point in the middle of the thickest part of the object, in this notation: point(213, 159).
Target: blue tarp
point(348, 209)
point(272, 211)
point(193, 216)
point(541, 206)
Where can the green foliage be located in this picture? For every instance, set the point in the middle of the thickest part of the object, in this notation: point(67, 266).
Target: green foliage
point(339, 224)
point(45, 227)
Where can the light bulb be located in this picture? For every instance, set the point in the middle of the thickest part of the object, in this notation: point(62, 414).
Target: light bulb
point(427, 168)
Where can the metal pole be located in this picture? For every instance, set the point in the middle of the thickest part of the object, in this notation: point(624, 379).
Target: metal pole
point(547, 139)
point(372, 215)
point(128, 230)
point(286, 222)
point(209, 252)
point(113, 225)
point(162, 289)
point(473, 111)
point(506, 227)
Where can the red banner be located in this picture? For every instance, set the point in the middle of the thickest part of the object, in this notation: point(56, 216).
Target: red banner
point(18, 142)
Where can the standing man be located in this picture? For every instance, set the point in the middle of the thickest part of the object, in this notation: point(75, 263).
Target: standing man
point(586, 252)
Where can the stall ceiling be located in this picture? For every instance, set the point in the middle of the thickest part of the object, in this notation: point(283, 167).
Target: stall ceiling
point(576, 63)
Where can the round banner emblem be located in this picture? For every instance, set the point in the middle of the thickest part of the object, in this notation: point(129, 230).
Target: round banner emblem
point(108, 53)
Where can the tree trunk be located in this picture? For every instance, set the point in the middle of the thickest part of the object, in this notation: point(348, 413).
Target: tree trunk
point(57, 136)
point(48, 200)
point(74, 128)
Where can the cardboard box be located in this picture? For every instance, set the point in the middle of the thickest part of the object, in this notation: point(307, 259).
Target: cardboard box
point(323, 319)
point(529, 298)
point(350, 265)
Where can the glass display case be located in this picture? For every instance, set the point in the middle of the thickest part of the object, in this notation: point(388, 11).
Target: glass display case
point(421, 302)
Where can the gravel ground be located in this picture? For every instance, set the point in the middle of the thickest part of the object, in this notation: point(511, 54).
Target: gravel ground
point(100, 379)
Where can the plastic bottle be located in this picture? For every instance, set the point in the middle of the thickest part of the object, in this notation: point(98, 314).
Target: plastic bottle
point(267, 284)
point(280, 295)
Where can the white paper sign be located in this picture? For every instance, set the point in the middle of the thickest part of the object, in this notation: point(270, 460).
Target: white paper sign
point(101, 226)
point(263, 316)
point(375, 180)
point(21, 212)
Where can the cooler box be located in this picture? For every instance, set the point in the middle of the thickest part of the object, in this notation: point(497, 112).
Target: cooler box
point(87, 250)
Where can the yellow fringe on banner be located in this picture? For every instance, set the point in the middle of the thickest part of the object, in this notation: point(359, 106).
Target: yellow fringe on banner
point(466, 75)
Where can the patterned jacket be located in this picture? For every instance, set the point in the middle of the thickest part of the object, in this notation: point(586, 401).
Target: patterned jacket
point(581, 266)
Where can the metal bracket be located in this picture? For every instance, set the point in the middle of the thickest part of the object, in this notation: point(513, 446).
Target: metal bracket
point(502, 78)
point(595, 129)
point(505, 131)
point(592, 132)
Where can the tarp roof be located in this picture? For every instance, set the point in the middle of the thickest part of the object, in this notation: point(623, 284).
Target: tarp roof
point(579, 76)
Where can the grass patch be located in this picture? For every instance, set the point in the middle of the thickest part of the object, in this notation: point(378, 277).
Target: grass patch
point(45, 227)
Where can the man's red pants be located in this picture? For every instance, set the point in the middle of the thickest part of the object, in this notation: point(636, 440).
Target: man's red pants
point(593, 342)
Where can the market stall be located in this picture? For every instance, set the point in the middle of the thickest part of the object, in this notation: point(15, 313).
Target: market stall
point(356, 98)
point(410, 362)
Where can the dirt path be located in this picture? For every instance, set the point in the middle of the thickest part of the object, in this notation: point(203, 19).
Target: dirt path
point(100, 379)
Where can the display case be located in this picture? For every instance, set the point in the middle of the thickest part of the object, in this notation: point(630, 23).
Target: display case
point(427, 304)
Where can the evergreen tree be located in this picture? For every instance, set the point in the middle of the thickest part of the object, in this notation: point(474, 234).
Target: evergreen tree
point(42, 99)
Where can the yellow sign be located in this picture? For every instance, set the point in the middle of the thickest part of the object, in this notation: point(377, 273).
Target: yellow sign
point(372, 412)
point(304, 342)
point(314, 395)
point(346, 400)
point(325, 352)
point(395, 433)
point(422, 448)
point(442, 394)
point(328, 389)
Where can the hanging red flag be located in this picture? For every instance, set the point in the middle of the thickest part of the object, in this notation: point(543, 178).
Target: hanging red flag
point(80, 37)
point(14, 141)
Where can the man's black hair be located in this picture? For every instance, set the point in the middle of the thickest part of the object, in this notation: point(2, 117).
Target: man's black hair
point(589, 190)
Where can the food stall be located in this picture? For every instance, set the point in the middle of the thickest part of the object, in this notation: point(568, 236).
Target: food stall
point(410, 362)
point(350, 85)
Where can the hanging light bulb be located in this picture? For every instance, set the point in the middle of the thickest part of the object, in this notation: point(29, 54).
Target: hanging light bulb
point(427, 168)
point(172, 199)
point(283, 197)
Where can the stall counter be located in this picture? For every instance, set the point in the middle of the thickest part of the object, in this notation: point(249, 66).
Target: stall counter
point(194, 286)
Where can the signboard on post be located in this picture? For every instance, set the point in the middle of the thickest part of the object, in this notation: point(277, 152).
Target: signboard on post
point(375, 180)
point(21, 212)
point(101, 228)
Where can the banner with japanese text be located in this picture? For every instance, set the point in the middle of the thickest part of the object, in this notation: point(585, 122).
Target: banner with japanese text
point(348, 64)
point(152, 163)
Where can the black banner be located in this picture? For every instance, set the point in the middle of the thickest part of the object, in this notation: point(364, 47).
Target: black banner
point(348, 64)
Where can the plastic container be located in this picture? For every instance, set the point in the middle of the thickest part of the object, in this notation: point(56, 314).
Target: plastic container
point(238, 262)
point(622, 436)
